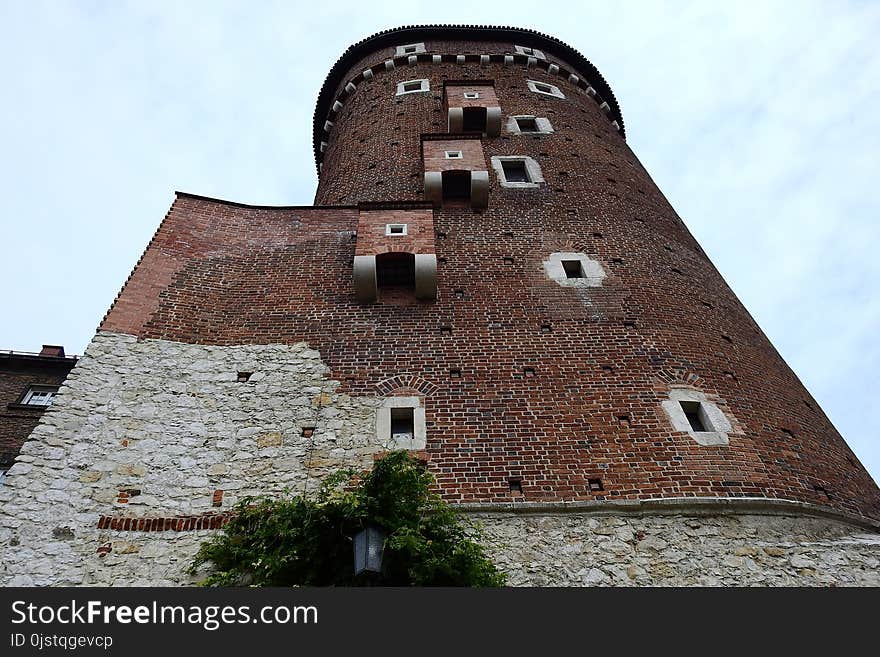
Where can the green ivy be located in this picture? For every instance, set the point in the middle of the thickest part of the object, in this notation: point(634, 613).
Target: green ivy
point(295, 541)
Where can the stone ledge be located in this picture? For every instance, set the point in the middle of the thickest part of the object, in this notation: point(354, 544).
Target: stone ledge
point(674, 506)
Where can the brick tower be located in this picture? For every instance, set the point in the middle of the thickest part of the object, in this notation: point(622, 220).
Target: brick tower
point(488, 277)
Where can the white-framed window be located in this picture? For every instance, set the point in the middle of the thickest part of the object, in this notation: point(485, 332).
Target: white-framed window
point(517, 171)
point(410, 49)
point(528, 124)
point(396, 230)
point(531, 52)
point(453, 155)
point(693, 412)
point(39, 395)
point(471, 95)
point(413, 87)
point(545, 88)
point(574, 270)
point(400, 423)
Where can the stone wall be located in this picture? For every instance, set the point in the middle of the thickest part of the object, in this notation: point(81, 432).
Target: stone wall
point(166, 431)
point(581, 549)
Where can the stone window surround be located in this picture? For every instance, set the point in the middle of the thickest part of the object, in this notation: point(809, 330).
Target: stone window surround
point(712, 417)
point(592, 272)
point(555, 91)
point(383, 423)
point(544, 126)
point(530, 52)
point(425, 87)
point(389, 232)
point(407, 49)
point(533, 170)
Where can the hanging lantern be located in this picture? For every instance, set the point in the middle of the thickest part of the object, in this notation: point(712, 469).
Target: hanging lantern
point(369, 544)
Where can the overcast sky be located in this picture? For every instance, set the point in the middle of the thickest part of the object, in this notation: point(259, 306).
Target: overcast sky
point(760, 121)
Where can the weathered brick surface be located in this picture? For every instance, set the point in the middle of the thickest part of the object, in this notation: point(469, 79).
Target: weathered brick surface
point(454, 95)
point(601, 359)
point(372, 240)
point(16, 376)
point(434, 155)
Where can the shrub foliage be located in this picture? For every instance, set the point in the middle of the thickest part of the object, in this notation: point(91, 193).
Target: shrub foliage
point(296, 541)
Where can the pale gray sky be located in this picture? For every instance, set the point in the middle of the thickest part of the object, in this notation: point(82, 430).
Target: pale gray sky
point(760, 121)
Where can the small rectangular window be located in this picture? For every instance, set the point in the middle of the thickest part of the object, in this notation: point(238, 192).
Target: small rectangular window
point(453, 155)
point(692, 412)
point(412, 86)
point(395, 229)
point(544, 88)
point(527, 124)
point(409, 50)
point(573, 268)
point(402, 424)
point(515, 171)
point(39, 396)
point(471, 95)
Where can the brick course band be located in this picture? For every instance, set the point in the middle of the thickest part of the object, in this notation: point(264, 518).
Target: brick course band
point(166, 523)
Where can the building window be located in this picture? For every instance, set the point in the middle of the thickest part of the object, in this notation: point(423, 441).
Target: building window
point(400, 423)
point(531, 52)
point(453, 155)
point(574, 270)
point(691, 411)
point(396, 271)
point(410, 49)
point(395, 229)
point(546, 89)
point(529, 125)
point(412, 87)
point(695, 417)
point(517, 171)
point(39, 395)
point(456, 186)
point(471, 95)
point(473, 119)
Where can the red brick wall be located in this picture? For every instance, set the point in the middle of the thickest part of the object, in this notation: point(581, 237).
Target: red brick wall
point(434, 155)
point(231, 274)
point(16, 376)
point(372, 240)
point(455, 96)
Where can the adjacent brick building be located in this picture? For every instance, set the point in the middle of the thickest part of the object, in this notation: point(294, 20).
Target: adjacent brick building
point(28, 384)
point(488, 276)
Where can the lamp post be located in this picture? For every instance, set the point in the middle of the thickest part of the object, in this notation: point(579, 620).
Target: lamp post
point(369, 544)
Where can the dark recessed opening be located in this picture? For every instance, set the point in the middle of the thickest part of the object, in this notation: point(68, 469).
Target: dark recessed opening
point(412, 86)
point(623, 420)
point(459, 294)
point(573, 268)
point(244, 376)
point(692, 412)
point(508, 260)
point(307, 432)
point(514, 171)
point(527, 124)
point(396, 229)
point(598, 236)
point(607, 369)
point(617, 261)
point(455, 374)
point(595, 485)
point(456, 185)
point(727, 338)
point(409, 50)
point(396, 270)
point(821, 490)
point(441, 236)
point(445, 330)
point(402, 423)
point(529, 371)
point(474, 119)
point(543, 88)
point(546, 328)
point(515, 486)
